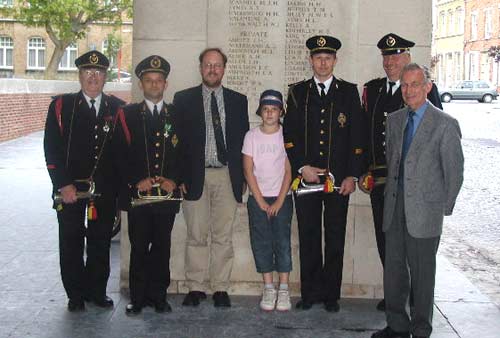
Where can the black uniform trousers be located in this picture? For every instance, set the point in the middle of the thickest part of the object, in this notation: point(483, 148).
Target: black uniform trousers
point(85, 279)
point(149, 229)
point(377, 200)
point(320, 279)
point(409, 261)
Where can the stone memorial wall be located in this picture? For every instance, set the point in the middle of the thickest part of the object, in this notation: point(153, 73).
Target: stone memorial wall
point(265, 43)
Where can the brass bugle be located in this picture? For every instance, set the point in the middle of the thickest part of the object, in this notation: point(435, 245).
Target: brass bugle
point(310, 188)
point(159, 196)
point(80, 194)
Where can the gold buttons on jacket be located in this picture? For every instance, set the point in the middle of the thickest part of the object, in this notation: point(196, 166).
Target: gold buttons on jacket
point(321, 131)
point(157, 144)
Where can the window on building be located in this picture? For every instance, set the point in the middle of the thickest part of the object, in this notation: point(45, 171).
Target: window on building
point(474, 66)
point(6, 50)
point(68, 58)
point(487, 23)
point(442, 24)
point(451, 26)
point(36, 53)
point(459, 20)
point(105, 46)
point(458, 66)
point(6, 3)
point(473, 26)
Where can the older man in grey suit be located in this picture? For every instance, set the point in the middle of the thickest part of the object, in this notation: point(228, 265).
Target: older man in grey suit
point(425, 173)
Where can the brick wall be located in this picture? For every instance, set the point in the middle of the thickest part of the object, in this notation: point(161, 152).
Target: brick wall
point(22, 114)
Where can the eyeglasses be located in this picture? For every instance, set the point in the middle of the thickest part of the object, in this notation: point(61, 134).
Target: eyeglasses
point(212, 65)
point(90, 73)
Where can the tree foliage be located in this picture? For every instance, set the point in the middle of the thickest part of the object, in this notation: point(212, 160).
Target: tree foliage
point(67, 21)
point(494, 52)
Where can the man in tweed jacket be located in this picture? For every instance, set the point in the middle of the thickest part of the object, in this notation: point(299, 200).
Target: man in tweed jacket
point(425, 173)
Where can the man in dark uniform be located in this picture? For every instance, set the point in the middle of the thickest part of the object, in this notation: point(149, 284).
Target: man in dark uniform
point(78, 133)
point(148, 147)
point(381, 97)
point(322, 134)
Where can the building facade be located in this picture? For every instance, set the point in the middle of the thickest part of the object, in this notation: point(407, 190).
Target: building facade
point(25, 51)
point(482, 31)
point(448, 48)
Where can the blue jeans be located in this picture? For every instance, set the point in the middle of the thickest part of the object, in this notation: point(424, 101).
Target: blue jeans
point(270, 238)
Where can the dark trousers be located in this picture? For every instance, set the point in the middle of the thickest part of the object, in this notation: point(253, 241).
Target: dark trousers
point(85, 278)
point(321, 281)
point(149, 230)
point(377, 199)
point(409, 261)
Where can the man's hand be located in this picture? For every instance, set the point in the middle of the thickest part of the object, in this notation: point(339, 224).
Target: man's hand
point(348, 186)
point(145, 184)
point(310, 174)
point(166, 184)
point(68, 193)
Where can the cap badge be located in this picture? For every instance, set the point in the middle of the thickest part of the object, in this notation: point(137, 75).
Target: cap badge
point(94, 59)
point(156, 62)
point(390, 41)
point(321, 41)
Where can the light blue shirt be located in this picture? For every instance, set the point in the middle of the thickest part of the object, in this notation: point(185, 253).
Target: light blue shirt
point(419, 114)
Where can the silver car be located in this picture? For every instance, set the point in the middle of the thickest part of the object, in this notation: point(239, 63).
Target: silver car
point(470, 90)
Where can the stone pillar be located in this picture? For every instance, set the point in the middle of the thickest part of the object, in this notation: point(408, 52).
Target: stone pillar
point(265, 43)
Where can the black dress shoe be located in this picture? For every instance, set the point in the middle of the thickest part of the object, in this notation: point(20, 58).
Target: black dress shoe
point(162, 307)
point(193, 298)
point(332, 306)
point(221, 299)
point(420, 337)
point(303, 304)
point(76, 305)
point(133, 309)
point(387, 332)
point(381, 305)
point(103, 302)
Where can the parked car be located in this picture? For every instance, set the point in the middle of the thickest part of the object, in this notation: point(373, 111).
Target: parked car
point(125, 77)
point(470, 90)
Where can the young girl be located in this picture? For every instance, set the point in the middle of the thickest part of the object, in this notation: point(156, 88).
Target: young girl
point(268, 174)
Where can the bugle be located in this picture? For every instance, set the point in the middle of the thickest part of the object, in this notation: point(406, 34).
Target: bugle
point(310, 188)
point(155, 195)
point(80, 193)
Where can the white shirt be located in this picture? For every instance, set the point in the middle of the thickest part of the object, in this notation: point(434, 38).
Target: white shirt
point(394, 88)
point(327, 84)
point(151, 105)
point(97, 103)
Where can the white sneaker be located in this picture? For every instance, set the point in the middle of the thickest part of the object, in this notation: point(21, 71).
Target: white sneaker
point(268, 301)
point(283, 303)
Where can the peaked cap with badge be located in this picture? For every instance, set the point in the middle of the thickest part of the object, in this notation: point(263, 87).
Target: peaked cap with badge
point(394, 44)
point(153, 64)
point(92, 59)
point(323, 44)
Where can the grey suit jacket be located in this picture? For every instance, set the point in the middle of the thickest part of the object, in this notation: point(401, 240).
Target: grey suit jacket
point(433, 170)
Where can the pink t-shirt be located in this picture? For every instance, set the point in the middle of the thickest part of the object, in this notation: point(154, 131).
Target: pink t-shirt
point(269, 155)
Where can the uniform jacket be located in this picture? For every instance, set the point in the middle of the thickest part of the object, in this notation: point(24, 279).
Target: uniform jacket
point(139, 141)
point(75, 137)
point(307, 138)
point(433, 170)
point(191, 116)
point(376, 108)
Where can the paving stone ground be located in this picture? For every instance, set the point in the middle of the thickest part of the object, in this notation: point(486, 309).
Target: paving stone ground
point(33, 302)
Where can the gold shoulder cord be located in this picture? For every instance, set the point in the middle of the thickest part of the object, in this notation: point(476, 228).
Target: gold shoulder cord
point(69, 143)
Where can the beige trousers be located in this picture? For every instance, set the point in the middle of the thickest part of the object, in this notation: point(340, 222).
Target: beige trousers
point(212, 216)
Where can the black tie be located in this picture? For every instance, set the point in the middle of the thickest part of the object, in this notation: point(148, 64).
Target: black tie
point(155, 114)
point(219, 137)
point(92, 108)
point(322, 86)
point(389, 93)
